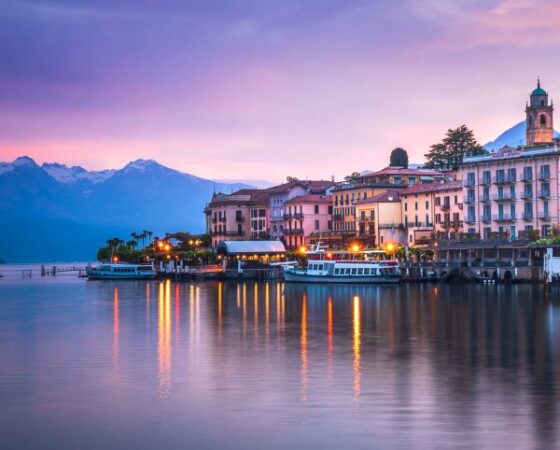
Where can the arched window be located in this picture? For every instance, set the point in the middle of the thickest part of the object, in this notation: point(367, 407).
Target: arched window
point(543, 119)
point(531, 121)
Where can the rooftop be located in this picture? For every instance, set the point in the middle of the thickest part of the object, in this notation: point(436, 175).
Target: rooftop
point(385, 197)
point(433, 187)
point(310, 198)
point(508, 153)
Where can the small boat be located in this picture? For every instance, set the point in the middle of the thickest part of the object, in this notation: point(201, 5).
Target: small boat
point(354, 270)
point(120, 271)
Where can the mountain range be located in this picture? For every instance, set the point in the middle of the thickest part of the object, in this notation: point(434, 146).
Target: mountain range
point(55, 212)
point(512, 137)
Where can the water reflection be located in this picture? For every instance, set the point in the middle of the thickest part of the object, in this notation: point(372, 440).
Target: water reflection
point(164, 338)
point(356, 343)
point(348, 366)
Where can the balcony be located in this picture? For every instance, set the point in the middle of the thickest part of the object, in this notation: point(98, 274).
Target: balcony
point(504, 217)
point(226, 233)
point(544, 194)
point(468, 183)
point(445, 206)
point(298, 215)
point(286, 216)
point(468, 200)
point(505, 180)
point(470, 219)
point(486, 181)
point(527, 178)
point(337, 217)
point(451, 224)
point(290, 231)
point(505, 197)
point(240, 219)
point(544, 176)
point(528, 216)
point(526, 195)
point(544, 215)
point(222, 219)
point(485, 198)
point(214, 220)
point(485, 218)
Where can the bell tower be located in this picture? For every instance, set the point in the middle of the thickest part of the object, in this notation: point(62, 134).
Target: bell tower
point(539, 128)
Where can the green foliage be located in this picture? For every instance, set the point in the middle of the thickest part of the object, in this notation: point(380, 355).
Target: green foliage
point(289, 179)
point(399, 158)
point(456, 145)
point(352, 177)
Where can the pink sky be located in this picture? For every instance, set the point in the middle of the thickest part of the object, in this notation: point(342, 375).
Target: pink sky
point(311, 89)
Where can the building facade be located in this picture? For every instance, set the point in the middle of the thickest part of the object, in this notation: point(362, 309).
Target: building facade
point(306, 216)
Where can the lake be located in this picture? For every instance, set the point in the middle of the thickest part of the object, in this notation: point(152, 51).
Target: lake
point(145, 365)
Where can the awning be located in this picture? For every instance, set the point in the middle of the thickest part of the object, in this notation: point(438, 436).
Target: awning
point(250, 247)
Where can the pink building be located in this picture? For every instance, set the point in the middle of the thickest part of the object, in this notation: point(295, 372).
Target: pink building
point(305, 216)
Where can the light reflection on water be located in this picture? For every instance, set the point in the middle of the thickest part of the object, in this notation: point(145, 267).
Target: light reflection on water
point(268, 365)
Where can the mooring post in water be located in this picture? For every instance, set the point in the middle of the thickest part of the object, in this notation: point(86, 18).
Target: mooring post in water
point(42, 270)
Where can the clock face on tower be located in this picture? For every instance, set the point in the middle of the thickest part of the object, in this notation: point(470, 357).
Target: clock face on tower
point(539, 118)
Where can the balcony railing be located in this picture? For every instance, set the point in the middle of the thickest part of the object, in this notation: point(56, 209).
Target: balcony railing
point(544, 194)
point(544, 215)
point(468, 183)
point(527, 178)
point(445, 206)
point(467, 200)
point(485, 218)
point(222, 219)
point(504, 217)
point(505, 180)
point(298, 215)
point(451, 223)
point(485, 198)
point(486, 181)
point(544, 176)
point(293, 230)
point(526, 195)
point(470, 219)
point(505, 197)
point(286, 216)
point(227, 233)
point(214, 220)
point(527, 216)
point(239, 219)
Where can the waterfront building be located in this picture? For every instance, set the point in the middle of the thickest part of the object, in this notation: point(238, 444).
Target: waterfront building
point(283, 193)
point(305, 216)
point(434, 209)
point(242, 215)
point(515, 190)
point(379, 220)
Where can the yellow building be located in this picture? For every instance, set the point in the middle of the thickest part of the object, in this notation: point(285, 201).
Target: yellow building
point(432, 208)
point(379, 220)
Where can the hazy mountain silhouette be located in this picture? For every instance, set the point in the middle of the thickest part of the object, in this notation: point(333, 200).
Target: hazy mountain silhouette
point(54, 212)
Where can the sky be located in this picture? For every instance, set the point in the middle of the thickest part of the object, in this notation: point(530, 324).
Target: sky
point(262, 89)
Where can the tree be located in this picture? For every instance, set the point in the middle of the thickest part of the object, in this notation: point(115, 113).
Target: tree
point(399, 158)
point(135, 236)
point(352, 176)
point(456, 145)
point(289, 179)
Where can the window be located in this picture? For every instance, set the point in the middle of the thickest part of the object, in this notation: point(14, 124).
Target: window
point(527, 173)
point(354, 271)
point(406, 206)
point(316, 209)
point(470, 178)
point(427, 204)
point(347, 271)
point(360, 271)
point(316, 224)
point(486, 177)
point(543, 120)
point(366, 271)
point(415, 206)
point(438, 201)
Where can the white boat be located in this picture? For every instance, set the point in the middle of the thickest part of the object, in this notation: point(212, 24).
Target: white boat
point(120, 271)
point(354, 270)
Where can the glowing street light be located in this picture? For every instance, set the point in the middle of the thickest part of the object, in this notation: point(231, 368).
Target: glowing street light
point(355, 248)
point(303, 249)
point(167, 247)
point(390, 247)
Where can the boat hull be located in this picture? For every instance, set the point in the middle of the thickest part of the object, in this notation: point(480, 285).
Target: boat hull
point(292, 277)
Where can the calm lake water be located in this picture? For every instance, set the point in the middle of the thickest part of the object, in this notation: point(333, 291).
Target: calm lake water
point(146, 365)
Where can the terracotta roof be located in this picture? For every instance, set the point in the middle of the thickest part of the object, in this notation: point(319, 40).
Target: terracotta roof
point(310, 198)
point(385, 197)
point(402, 171)
point(433, 187)
point(315, 186)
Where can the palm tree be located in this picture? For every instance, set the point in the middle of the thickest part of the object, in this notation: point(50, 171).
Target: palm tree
point(143, 237)
point(134, 236)
point(150, 234)
point(131, 244)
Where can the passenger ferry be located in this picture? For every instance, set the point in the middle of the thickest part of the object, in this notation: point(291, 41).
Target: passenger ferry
point(364, 270)
point(121, 271)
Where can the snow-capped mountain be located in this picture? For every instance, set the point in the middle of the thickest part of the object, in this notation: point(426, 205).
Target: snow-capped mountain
point(512, 137)
point(75, 174)
point(60, 212)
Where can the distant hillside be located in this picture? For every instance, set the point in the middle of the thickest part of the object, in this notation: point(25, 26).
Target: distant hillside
point(65, 213)
point(513, 137)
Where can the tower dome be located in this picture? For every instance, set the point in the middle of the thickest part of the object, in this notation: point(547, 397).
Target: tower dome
point(539, 90)
point(539, 115)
